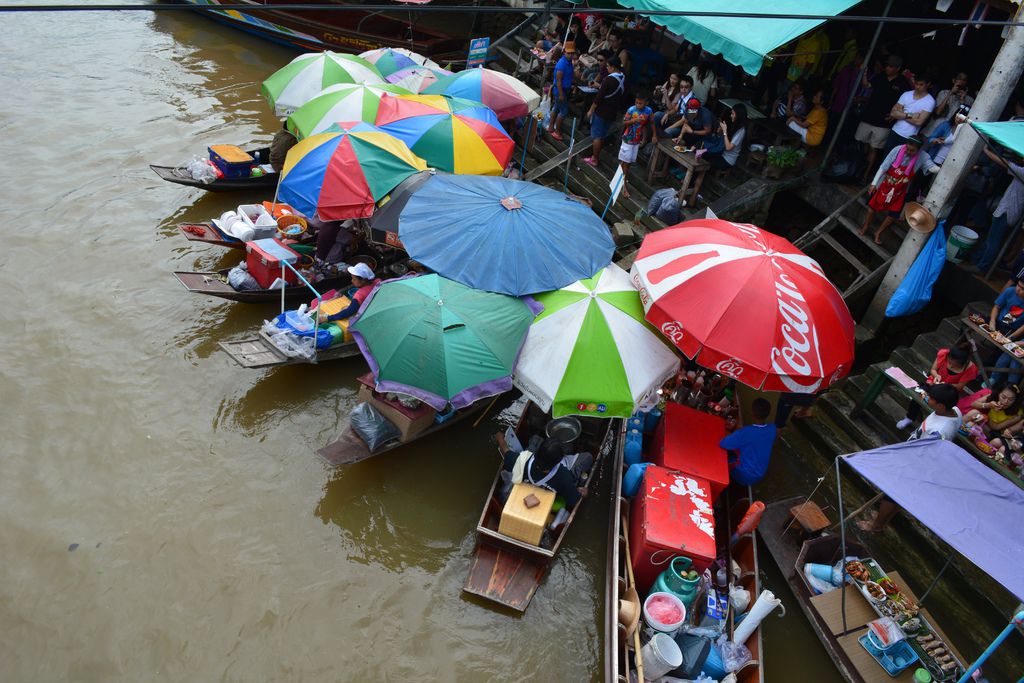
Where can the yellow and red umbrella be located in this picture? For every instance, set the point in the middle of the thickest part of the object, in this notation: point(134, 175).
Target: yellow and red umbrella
point(342, 173)
point(452, 134)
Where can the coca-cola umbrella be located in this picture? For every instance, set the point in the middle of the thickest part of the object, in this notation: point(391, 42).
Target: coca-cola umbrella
point(745, 303)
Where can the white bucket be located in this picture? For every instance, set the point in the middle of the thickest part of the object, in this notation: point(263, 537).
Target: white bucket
point(960, 241)
point(660, 656)
point(653, 626)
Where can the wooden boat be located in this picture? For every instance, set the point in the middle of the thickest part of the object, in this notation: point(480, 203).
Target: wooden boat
point(349, 448)
point(620, 665)
point(825, 612)
point(181, 176)
point(346, 31)
point(260, 352)
point(508, 571)
point(208, 233)
point(215, 283)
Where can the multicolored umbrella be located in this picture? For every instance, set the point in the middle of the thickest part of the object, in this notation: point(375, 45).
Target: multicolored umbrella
point(440, 341)
point(388, 60)
point(343, 174)
point(452, 134)
point(416, 78)
point(346, 102)
point(508, 96)
point(591, 352)
point(304, 77)
point(746, 303)
point(501, 235)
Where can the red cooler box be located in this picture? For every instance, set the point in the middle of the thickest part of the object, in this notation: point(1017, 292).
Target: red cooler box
point(687, 440)
point(263, 259)
point(671, 515)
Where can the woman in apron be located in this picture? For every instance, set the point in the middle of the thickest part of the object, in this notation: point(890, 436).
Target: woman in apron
point(547, 468)
point(889, 187)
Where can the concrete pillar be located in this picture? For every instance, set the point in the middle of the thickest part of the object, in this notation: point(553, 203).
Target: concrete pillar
point(992, 97)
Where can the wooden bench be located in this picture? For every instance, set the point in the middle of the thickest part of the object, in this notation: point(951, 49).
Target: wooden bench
point(810, 517)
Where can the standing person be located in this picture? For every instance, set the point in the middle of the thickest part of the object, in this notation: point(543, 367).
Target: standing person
point(948, 102)
point(637, 129)
point(674, 114)
point(560, 89)
point(697, 125)
point(911, 112)
point(704, 80)
point(889, 187)
point(750, 447)
point(733, 133)
point(873, 130)
point(1008, 212)
point(605, 108)
point(619, 49)
point(943, 422)
point(811, 128)
point(363, 282)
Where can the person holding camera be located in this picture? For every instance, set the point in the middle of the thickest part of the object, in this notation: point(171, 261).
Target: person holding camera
point(948, 103)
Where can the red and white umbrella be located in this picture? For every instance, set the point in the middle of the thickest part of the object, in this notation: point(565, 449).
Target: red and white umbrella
point(746, 303)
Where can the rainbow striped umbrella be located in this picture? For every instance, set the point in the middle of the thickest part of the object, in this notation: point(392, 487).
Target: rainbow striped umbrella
point(450, 133)
point(304, 77)
point(508, 96)
point(416, 78)
point(342, 174)
point(388, 60)
point(336, 103)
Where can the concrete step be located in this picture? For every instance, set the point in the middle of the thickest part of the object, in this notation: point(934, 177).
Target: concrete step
point(865, 431)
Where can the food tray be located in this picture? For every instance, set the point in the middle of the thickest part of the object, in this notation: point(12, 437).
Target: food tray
point(901, 608)
point(894, 658)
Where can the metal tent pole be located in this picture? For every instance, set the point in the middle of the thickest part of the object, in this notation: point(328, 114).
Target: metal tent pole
point(842, 544)
point(935, 581)
point(1016, 622)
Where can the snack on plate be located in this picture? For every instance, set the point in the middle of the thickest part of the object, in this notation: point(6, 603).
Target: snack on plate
point(976, 319)
point(888, 586)
point(911, 625)
point(857, 570)
point(874, 590)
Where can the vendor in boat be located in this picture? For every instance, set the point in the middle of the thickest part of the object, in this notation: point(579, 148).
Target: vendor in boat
point(750, 448)
point(283, 141)
point(546, 468)
point(363, 282)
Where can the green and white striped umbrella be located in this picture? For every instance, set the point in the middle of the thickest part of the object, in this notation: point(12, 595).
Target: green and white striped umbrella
point(591, 352)
point(339, 104)
point(304, 77)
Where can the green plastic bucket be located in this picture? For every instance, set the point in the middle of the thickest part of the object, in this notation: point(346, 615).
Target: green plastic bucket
point(960, 241)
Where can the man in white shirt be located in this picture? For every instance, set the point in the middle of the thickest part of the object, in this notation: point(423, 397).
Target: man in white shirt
point(910, 112)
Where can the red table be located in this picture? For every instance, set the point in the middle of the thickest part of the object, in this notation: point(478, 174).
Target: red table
point(687, 440)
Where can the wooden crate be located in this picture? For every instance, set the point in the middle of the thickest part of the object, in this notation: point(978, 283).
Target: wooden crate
point(523, 523)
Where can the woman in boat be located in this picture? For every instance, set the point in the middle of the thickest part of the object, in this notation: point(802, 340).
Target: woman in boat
point(283, 141)
point(363, 282)
point(546, 469)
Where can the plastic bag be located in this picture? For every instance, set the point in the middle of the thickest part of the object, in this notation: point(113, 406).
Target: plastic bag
point(916, 288)
point(201, 170)
point(372, 427)
point(240, 279)
point(734, 655)
point(739, 598)
point(289, 344)
point(885, 632)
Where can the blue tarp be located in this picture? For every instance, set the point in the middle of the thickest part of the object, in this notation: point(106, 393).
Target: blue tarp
point(965, 503)
point(743, 41)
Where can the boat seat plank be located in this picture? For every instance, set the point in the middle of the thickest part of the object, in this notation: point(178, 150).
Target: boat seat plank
point(510, 579)
point(810, 517)
point(858, 611)
point(869, 670)
point(254, 353)
point(349, 448)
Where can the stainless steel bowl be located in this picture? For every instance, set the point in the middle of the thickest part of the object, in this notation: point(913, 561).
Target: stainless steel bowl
point(564, 429)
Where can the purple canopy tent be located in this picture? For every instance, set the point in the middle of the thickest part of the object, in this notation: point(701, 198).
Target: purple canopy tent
point(965, 503)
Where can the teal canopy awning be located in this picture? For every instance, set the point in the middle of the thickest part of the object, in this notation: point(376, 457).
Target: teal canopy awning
point(742, 41)
point(1007, 133)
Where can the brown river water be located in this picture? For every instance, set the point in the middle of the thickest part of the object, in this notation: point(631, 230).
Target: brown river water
point(162, 513)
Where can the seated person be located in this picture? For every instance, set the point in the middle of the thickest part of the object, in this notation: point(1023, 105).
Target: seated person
point(811, 128)
point(593, 75)
point(795, 103)
point(1002, 415)
point(674, 113)
point(546, 469)
point(698, 123)
point(1007, 316)
point(750, 447)
point(283, 141)
point(731, 133)
point(951, 366)
point(363, 282)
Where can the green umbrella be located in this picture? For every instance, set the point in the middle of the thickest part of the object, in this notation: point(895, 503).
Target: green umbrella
point(440, 341)
point(304, 77)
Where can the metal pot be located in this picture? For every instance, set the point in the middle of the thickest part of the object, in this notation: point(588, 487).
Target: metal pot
point(564, 429)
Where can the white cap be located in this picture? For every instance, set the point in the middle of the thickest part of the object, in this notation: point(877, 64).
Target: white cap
point(361, 270)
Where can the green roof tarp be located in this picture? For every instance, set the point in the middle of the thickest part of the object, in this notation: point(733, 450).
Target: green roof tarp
point(1007, 133)
point(742, 41)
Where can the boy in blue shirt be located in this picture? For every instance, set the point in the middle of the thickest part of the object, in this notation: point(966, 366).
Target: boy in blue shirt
point(750, 448)
point(637, 128)
point(560, 89)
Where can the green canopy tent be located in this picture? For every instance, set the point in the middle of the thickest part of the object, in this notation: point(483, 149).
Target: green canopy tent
point(743, 41)
point(1009, 134)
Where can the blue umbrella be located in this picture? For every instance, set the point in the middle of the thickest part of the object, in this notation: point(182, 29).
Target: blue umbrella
point(502, 235)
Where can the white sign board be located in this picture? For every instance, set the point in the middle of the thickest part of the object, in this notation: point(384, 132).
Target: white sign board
point(616, 184)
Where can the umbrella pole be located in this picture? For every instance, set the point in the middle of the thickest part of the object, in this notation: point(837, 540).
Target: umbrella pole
point(568, 160)
point(486, 410)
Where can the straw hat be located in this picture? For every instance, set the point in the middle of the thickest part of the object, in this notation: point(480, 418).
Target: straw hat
point(629, 610)
point(919, 218)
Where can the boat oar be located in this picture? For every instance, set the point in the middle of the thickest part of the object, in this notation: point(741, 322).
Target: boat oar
point(486, 410)
point(637, 656)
